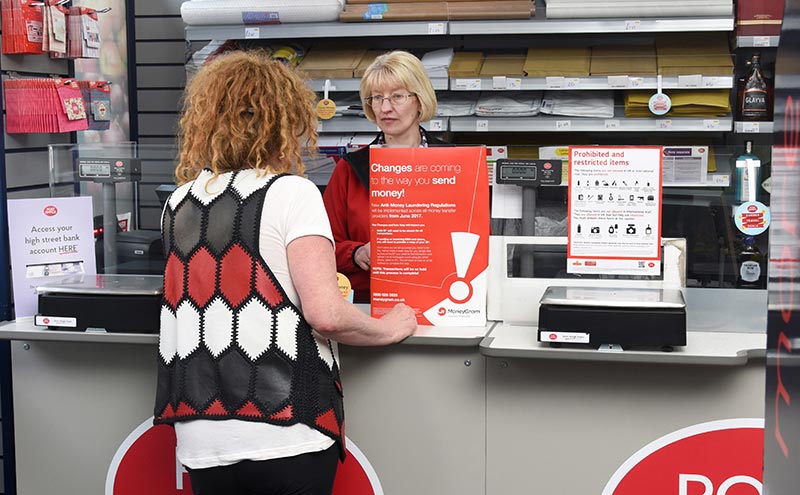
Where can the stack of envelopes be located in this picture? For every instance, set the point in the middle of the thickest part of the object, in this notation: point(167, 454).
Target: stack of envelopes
point(331, 62)
point(558, 61)
point(466, 64)
point(620, 60)
point(503, 64)
point(694, 53)
point(685, 103)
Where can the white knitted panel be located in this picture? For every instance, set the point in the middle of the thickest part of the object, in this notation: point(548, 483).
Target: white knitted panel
point(218, 327)
point(188, 329)
point(249, 11)
point(254, 332)
point(287, 328)
point(168, 337)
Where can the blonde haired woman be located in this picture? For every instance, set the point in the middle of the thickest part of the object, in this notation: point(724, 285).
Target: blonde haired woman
point(397, 96)
point(246, 371)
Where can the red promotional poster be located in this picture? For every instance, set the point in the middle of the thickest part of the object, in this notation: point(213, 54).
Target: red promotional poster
point(429, 210)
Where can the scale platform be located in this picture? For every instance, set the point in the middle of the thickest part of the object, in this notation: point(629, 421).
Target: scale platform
point(111, 303)
point(604, 316)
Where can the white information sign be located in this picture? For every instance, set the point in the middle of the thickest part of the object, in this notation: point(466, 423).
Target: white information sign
point(49, 239)
point(615, 210)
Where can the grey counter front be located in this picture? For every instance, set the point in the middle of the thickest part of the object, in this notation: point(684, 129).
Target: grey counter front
point(477, 410)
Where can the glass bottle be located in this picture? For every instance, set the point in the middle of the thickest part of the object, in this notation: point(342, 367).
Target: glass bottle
point(750, 263)
point(755, 94)
point(742, 176)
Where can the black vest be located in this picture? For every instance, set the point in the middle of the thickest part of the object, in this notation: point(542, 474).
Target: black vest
point(244, 351)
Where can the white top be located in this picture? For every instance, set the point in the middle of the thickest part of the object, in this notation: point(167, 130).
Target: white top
point(292, 208)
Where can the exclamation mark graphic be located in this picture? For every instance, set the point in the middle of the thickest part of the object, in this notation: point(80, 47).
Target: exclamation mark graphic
point(464, 244)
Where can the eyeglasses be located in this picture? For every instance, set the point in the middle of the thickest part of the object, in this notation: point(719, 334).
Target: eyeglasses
point(396, 99)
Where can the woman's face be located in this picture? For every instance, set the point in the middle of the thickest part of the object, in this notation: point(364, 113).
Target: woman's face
point(399, 120)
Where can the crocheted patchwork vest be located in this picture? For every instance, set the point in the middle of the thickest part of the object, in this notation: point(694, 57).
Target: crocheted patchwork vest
point(232, 345)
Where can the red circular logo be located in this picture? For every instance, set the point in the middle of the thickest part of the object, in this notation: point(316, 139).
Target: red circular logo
point(752, 208)
point(651, 264)
point(553, 336)
point(442, 311)
point(146, 463)
point(119, 163)
point(46, 321)
point(548, 166)
point(50, 210)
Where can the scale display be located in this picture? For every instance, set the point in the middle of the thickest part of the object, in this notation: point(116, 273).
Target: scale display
point(109, 170)
point(528, 173)
point(95, 170)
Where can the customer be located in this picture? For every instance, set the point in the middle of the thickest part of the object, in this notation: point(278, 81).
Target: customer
point(246, 372)
point(397, 96)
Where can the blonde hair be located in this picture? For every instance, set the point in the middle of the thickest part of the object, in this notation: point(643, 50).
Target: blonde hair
point(399, 68)
point(245, 111)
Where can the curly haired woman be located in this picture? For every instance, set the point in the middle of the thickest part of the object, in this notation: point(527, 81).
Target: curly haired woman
point(247, 372)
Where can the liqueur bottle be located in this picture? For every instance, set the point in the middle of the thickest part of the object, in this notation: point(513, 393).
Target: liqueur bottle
point(750, 261)
point(755, 94)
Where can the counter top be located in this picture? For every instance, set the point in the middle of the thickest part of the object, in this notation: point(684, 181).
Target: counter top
point(708, 348)
point(24, 329)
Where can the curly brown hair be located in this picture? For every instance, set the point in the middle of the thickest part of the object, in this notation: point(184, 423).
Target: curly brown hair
point(243, 110)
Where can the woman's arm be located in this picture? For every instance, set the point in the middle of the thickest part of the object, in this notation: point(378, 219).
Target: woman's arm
point(313, 270)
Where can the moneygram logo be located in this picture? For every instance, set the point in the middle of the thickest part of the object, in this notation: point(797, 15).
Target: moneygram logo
point(458, 312)
point(442, 311)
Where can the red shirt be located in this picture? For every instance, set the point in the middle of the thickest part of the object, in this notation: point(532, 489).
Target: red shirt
point(347, 203)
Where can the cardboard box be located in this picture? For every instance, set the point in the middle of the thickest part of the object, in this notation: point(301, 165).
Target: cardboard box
point(558, 61)
point(331, 62)
point(466, 64)
point(503, 65)
point(759, 17)
point(438, 11)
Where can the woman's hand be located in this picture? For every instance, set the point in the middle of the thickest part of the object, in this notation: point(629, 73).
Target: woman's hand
point(362, 257)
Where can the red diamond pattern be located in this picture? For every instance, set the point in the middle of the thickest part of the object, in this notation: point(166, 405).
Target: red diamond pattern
point(202, 268)
point(285, 413)
point(173, 277)
point(327, 420)
point(168, 412)
point(185, 409)
point(235, 275)
point(266, 288)
point(216, 409)
point(249, 409)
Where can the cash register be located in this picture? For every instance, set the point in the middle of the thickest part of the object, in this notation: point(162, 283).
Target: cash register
point(110, 303)
point(630, 317)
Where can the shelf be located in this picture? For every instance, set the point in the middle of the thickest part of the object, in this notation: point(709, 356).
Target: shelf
point(753, 127)
point(354, 84)
point(757, 41)
point(551, 123)
point(316, 30)
point(361, 124)
point(510, 83)
point(573, 26)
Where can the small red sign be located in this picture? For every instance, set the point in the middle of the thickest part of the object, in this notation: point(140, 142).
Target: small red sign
point(50, 211)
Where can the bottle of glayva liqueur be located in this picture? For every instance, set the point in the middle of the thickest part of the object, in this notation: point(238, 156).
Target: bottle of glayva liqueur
point(750, 261)
point(755, 94)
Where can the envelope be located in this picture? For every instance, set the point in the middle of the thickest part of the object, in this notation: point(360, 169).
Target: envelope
point(694, 53)
point(331, 62)
point(466, 64)
point(633, 60)
point(366, 60)
point(501, 64)
point(558, 61)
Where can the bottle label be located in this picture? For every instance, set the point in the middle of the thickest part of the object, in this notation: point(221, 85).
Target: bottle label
point(755, 102)
point(750, 271)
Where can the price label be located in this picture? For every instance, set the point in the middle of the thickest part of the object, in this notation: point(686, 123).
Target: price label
point(319, 127)
point(482, 126)
point(762, 41)
point(618, 81)
point(468, 84)
point(572, 82)
point(635, 82)
point(563, 125)
point(711, 124)
point(690, 81)
point(252, 33)
point(711, 82)
point(633, 25)
point(499, 82)
point(720, 179)
point(554, 82)
point(513, 83)
point(612, 124)
point(750, 127)
point(664, 124)
point(435, 28)
point(436, 125)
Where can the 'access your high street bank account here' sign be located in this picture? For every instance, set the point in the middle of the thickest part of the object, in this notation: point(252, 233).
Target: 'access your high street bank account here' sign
point(429, 235)
point(615, 210)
